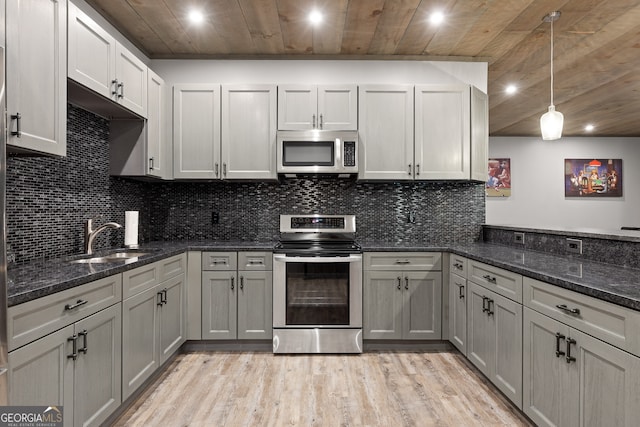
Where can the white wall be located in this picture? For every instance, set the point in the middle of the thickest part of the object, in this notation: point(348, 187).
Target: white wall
point(320, 71)
point(537, 176)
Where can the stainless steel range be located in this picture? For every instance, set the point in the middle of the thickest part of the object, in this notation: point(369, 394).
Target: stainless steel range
point(317, 285)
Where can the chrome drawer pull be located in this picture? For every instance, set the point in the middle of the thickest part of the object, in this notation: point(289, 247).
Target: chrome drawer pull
point(76, 305)
point(572, 311)
point(403, 262)
point(458, 266)
point(17, 117)
point(489, 278)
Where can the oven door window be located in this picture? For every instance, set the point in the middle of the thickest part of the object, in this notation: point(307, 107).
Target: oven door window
point(317, 293)
point(308, 153)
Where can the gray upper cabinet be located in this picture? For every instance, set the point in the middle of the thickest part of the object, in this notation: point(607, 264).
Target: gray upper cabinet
point(36, 84)
point(196, 131)
point(323, 107)
point(385, 116)
point(98, 62)
point(249, 132)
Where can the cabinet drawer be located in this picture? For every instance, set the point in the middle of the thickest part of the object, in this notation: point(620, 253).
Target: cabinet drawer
point(140, 279)
point(458, 265)
point(403, 261)
point(501, 281)
point(255, 261)
point(35, 319)
point(609, 322)
point(223, 261)
point(172, 267)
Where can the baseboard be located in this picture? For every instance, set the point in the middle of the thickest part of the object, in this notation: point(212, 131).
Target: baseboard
point(228, 345)
point(406, 345)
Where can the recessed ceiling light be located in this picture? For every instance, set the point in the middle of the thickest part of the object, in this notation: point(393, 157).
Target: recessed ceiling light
point(315, 17)
point(589, 127)
point(511, 89)
point(436, 18)
point(196, 16)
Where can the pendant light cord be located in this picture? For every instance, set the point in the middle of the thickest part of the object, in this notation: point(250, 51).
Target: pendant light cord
point(552, 61)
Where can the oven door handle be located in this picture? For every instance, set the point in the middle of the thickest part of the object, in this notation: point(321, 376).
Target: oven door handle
point(318, 259)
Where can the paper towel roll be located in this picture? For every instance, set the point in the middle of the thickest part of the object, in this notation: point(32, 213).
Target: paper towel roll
point(131, 229)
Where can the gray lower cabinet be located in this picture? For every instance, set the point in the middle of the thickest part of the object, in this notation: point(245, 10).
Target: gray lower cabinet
point(458, 312)
point(494, 339)
point(65, 368)
point(154, 320)
point(236, 304)
point(402, 305)
point(573, 379)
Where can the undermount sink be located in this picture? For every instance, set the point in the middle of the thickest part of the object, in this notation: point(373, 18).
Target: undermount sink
point(115, 257)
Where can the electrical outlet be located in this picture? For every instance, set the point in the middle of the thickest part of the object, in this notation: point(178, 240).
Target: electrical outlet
point(574, 246)
point(518, 237)
point(215, 218)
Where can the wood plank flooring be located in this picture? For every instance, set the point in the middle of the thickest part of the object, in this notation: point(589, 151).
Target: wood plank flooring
point(371, 389)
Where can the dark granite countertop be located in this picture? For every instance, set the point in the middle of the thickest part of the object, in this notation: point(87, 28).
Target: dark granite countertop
point(619, 285)
point(41, 278)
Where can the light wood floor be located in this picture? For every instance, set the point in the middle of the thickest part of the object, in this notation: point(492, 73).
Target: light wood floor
point(371, 389)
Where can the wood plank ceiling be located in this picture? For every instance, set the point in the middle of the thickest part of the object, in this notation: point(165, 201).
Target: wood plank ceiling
point(597, 46)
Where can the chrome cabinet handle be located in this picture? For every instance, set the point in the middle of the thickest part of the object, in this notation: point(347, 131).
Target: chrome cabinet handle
point(572, 311)
point(569, 357)
point(241, 283)
point(76, 305)
point(461, 292)
point(313, 120)
point(84, 335)
point(150, 163)
point(17, 117)
point(399, 282)
point(409, 168)
point(256, 262)
point(164, 296)
point(121, 95)
point(406, 261)
point(159, 300)
point(418, 169)
point(406, 283)
point(458, 266)
point(115, 84)
point(321, 121)
point(74, 354)
point(489, 278)
point(215, 168)
point(489, 310)
point(559, 337)
point(484, 304)
point(224, 169)
point(232, 283)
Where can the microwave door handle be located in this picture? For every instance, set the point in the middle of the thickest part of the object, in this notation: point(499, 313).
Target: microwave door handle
point(319, 259)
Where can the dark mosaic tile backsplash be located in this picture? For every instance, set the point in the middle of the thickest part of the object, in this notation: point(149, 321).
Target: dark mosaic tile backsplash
point(49, 199)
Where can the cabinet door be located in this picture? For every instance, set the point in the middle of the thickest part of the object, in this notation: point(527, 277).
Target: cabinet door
point(546, 374)
point(385, 117)
point(156, 135)
point(506, 371)
point(443, 141)
point(98, 370)
point(254, 305)
point(609, 383)
point(131, 74)
point(196, 131)
point(173, 316)
point(480, 337)
point(36, 75)
point(297, 107)
point(249, 132)
point(382, 311)
point(40, 373)
point(338, 107)
point(479, 134)
point(139, 339)
point(92, 53)
point(219, 305)
point(422, 305)
point(458, 312)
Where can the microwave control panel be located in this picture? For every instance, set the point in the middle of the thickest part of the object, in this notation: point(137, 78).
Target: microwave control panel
point(349, 153)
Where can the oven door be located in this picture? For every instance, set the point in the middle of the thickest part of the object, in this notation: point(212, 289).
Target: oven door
point(317, 292)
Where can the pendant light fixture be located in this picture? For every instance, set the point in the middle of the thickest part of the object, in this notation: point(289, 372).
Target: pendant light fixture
point(551, 122)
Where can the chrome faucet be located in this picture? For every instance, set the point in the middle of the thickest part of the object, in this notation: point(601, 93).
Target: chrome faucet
point(90, 234)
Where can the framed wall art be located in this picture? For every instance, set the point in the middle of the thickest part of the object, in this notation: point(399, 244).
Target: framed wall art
point(593, 177)
point(499, 179)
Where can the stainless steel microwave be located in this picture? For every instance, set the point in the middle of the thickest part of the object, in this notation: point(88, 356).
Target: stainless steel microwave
point(317, 152)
